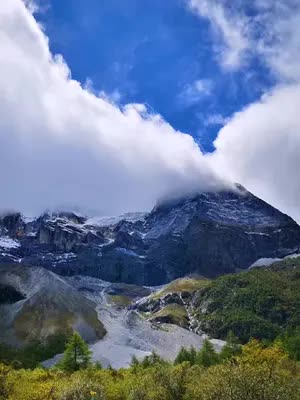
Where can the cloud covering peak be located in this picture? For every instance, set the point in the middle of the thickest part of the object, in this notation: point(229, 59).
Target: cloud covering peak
point(63, 146)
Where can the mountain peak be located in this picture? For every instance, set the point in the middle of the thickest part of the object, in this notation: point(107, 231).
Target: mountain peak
point(209, 233)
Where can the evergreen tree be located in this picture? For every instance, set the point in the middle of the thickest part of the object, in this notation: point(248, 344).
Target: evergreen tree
point(290, 342)
point(134, 364)
point(193, 355)
point(98, 365)
point(153, 359)
point(184, 355)
point(77, 354)
point(231, 348)
point(207, 356)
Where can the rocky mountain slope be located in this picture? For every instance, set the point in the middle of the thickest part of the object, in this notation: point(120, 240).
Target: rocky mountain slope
point(38, 309)
point(36, 303)
point(129, 333)
point(209, 234)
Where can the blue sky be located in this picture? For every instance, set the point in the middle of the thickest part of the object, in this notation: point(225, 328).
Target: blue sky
point(155, 52)
point(102, 128)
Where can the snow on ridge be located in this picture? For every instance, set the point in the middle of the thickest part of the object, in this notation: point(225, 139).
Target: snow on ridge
point(128, 252)
point(113, 220)
point(27, 219)
point(65, 257)
point(266, 262)
point(8, 243)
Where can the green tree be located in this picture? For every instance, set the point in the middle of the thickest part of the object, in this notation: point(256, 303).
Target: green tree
point(182, 356)
point(185, 355)
point(193, 355)
point(290, 342)
point(151, 360)
point(77, 354)
point(207, 356)
point(231, 348)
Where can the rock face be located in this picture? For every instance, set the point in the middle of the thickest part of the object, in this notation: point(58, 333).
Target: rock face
point(208, 234)
point(36, 303)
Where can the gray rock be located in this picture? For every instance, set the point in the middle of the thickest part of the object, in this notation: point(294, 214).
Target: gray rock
point(208, 234)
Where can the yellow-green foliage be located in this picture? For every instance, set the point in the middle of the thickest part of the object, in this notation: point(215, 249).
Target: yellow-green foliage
point(182, 285)
point(257, 373)
point(172, 313)
point(119, 300)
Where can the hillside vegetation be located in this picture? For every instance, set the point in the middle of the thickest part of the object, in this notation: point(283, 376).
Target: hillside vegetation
point(261, 303)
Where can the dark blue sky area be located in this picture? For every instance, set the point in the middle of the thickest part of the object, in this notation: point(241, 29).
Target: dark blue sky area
point(151, 51)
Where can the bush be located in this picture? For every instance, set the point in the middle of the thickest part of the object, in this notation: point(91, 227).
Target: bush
point(257, 373)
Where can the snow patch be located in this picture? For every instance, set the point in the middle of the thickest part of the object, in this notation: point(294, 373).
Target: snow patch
point(8, 243)
point(27, 219)
point(266, 262)
point(130, 253)
point(114, 220)
point(65, 257)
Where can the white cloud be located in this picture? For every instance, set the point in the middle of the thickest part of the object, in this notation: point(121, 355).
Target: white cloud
point(260, 147)
point(215, 119)
point(229, 26)
point(272, 33)
point(280, 44)
point(194, 92)
point(61, 145)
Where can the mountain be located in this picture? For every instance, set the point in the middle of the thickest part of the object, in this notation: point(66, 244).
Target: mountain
point(36, 304)
point(260, 303)
point(208, 234)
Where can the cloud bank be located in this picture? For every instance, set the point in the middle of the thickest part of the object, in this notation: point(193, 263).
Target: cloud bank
point(260, 145)
point(63, 146)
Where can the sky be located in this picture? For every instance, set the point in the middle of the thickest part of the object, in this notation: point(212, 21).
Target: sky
point(158, 53)
point(108, 106)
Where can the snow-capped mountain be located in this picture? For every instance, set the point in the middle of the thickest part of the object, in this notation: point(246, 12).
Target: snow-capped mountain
point(208, 234)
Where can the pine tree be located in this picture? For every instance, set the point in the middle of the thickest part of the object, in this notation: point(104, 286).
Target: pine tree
point(134, 364)
point(151, 360)
point(193, 355)
point(76, 355)
point(231, 348)
point(207, 356)
point(186, 355)
point(182, 356)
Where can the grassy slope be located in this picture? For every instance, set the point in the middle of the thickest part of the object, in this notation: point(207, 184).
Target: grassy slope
point(172, 314)
point(181, 285)
point(119, 300)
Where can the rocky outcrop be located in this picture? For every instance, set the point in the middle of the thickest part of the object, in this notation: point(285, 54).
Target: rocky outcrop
point(208, 234)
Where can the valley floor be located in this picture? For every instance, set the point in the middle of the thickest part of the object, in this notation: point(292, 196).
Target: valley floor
point(128, 333)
